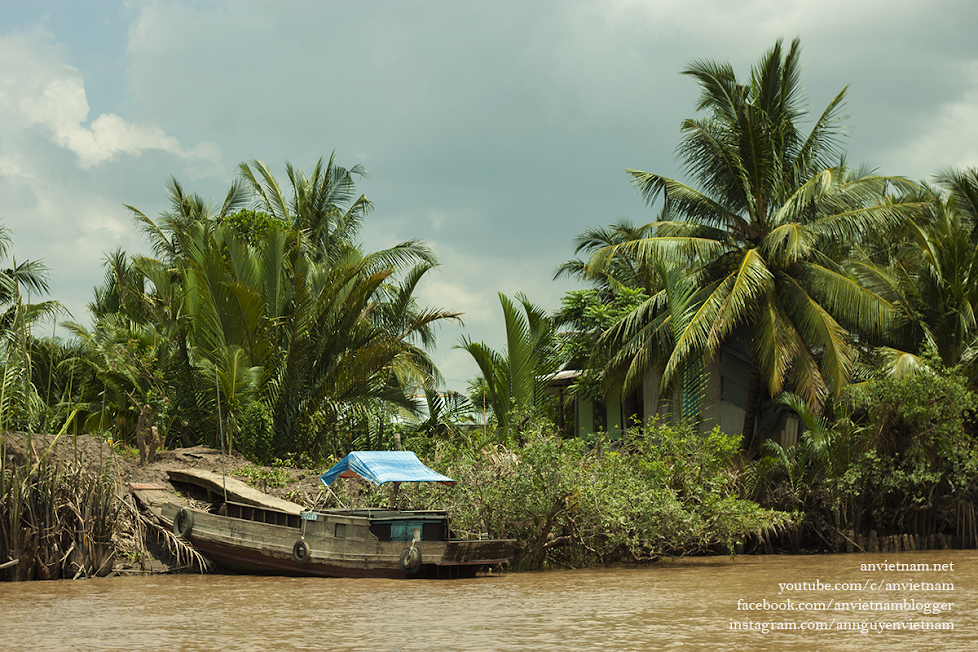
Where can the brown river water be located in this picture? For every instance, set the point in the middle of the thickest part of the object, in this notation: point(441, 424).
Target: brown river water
point(750, 603)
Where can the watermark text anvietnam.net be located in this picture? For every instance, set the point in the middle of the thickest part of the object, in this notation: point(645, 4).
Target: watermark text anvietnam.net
point(902, 566)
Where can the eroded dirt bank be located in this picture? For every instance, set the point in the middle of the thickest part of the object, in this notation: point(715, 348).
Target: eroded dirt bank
point(43, 548)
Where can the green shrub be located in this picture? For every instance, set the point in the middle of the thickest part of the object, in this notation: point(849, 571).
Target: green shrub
point(923, 455)
point(257, 437)
point(661, 490)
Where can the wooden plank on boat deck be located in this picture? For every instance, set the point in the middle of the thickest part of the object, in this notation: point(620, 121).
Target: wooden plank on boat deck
point(237, 491)
point(153, 497)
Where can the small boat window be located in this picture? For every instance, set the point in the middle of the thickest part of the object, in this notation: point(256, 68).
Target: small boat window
point(381, 530)
point(340, 532)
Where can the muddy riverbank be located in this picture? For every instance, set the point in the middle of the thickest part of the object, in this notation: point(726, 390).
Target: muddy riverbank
point(66, 511)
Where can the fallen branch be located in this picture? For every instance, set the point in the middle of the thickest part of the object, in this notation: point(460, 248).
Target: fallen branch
point(557, 542)
point(177, 547)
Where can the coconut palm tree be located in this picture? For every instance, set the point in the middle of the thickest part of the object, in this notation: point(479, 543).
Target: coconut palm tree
point(178, 236)
point(324, 206)
point(930, 273)
point(776, 205)
point(123, 290)
point(32, 276)
point(324, 209)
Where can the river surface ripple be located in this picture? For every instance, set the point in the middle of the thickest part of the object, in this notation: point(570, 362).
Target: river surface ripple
point(689, 603)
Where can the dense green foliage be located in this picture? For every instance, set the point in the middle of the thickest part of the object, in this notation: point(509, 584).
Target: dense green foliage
point(902, 458)
point(922, 456)
point(584, 315)
point(662, 490)
point(251, 226)
point(270, 329)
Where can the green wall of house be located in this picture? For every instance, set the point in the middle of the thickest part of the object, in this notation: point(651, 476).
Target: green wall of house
point(593, 418)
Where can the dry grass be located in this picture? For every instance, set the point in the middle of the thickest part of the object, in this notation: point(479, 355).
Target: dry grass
point(56, 520)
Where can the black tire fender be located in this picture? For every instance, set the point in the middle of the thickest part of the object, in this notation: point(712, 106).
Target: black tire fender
point(411, 560)
point(183, 524)
point(300, 552)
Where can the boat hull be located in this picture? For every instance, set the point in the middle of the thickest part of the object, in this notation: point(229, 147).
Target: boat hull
point(336, 543)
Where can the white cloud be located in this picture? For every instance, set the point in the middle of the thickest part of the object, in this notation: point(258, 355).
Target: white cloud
point(39, 90)
point(110, 135)
point(63, 181)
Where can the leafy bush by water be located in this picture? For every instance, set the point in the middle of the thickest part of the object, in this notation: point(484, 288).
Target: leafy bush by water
point(660, 490)
point(903, 460)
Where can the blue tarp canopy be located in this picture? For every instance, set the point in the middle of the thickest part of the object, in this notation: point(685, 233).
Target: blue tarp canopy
point(384, 466)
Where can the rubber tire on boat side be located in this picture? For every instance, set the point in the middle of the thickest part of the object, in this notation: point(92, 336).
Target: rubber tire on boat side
point(183, 524)
point(411, 560)
point(300, 552)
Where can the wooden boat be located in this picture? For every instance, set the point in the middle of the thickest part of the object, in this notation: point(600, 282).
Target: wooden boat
point(259, 539)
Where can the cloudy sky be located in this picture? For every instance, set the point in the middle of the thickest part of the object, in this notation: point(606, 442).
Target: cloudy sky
point(496, 131)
